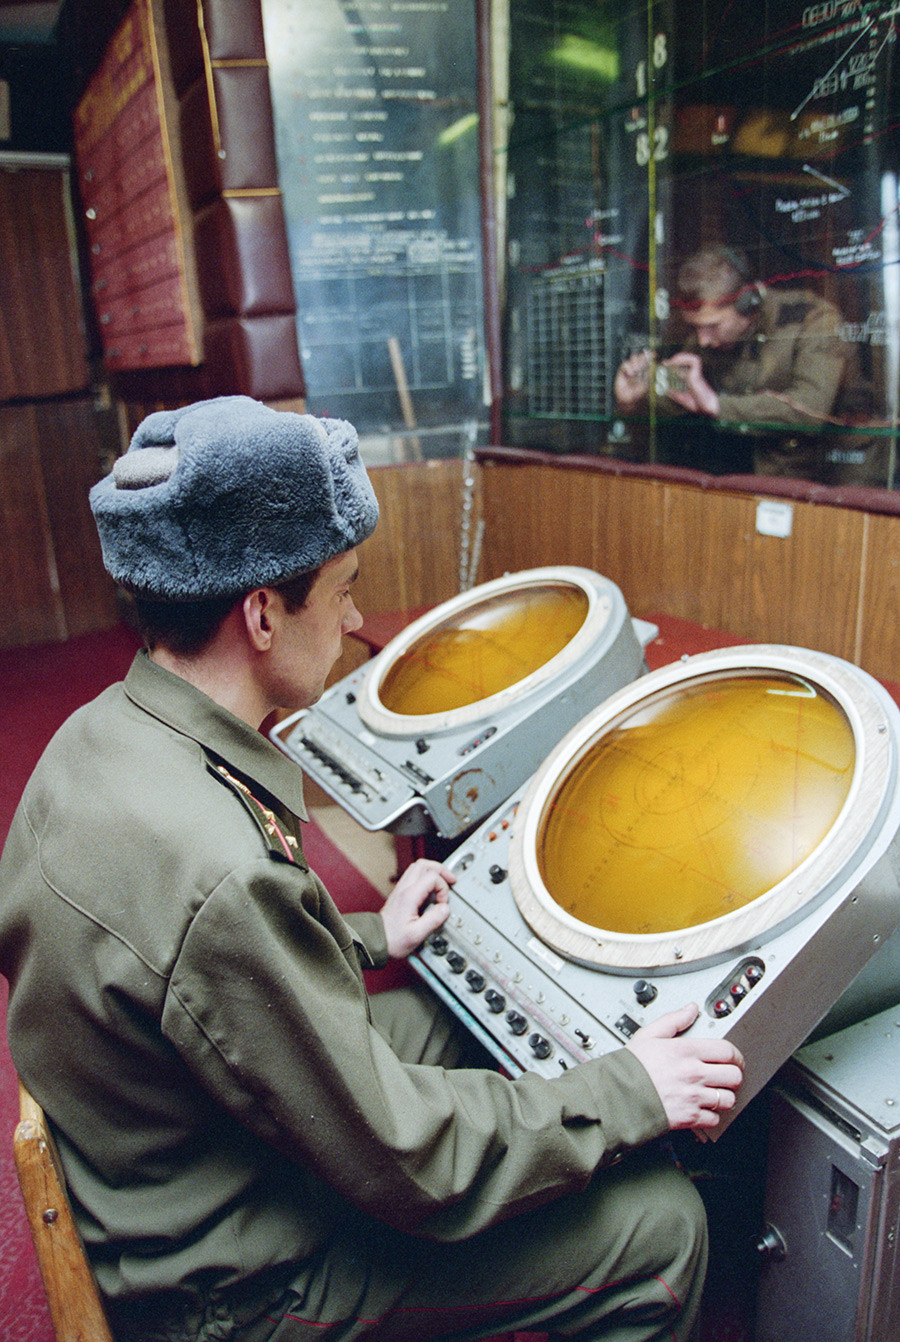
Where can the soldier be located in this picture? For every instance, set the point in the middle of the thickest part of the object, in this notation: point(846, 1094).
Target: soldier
point(766, 365)
point(256, 1149)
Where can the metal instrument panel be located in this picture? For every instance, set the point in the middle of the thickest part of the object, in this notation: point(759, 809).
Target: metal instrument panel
point(451, 773)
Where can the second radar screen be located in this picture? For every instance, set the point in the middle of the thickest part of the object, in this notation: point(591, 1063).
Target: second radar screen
point(484, 649)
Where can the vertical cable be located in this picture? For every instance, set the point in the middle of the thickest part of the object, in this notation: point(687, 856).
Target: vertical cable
point(651, 221)
point(210, 85)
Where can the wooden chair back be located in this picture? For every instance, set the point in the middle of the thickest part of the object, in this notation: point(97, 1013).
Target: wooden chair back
point(76, 1310)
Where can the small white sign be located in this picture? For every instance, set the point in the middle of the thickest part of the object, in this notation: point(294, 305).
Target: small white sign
point(774, 518)
point(538, 948)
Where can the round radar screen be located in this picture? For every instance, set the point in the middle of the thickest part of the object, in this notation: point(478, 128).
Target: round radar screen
point(478, 651)
point(701, 807)
point(484, 649)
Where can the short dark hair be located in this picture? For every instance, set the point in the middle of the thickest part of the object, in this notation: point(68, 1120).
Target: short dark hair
point(187, 627)
point(715, 274)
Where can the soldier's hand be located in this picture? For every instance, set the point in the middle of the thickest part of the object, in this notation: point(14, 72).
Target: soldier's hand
point(632, 380)
point(696, 1078)
point(417, 905)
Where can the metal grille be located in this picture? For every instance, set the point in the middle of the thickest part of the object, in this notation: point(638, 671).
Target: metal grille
point(568, 355)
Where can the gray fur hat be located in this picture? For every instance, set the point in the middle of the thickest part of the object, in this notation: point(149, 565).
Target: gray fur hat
point(226, 495)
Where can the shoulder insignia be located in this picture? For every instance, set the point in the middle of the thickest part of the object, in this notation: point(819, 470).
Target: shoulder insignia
point(789, 314)
point(278, 842)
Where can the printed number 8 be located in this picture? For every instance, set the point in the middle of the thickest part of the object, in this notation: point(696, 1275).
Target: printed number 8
point(660, 55)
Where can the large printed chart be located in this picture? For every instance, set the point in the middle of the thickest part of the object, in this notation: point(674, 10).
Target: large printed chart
point(825, 111)
point(376, 131)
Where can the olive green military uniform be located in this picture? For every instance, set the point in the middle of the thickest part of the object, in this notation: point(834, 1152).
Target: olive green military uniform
point(792, 368)
point(255, 1148)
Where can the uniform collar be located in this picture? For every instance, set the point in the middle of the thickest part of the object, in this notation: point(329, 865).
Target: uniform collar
point(187, 710)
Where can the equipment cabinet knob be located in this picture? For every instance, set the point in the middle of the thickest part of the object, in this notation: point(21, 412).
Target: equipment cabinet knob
point(771, 1246)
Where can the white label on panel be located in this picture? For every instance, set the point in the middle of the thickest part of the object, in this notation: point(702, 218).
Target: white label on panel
point(774, 518)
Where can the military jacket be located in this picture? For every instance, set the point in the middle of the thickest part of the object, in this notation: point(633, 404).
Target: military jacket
point(187, 1004)
point(789, 367)
point(789, 384)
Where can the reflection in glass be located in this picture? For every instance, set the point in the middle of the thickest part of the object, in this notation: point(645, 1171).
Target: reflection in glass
point(483, 649)
point(643, 135)
point(697, 803)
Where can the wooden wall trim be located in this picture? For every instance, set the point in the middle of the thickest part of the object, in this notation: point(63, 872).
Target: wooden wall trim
point(672, 545)
point(51, 573)
point(858, 497)
point(43, 350)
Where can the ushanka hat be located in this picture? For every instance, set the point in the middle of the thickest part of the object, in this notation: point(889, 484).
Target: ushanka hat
point(226, 495)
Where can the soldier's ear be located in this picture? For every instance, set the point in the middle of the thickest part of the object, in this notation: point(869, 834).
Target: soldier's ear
point(260, 609)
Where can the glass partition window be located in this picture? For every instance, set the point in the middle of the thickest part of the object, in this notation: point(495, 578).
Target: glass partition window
point(376, 124)
point(703, 236)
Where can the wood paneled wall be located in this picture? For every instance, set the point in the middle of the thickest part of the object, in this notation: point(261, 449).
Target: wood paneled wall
point(833, 584)
point(412, 559)
point(52, 579)
point(42, 339)
point(52, 582)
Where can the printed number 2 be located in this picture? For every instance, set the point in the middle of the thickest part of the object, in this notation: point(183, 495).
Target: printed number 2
point(660, 146)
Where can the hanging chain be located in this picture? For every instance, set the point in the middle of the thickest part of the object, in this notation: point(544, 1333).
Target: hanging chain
point(469, 544)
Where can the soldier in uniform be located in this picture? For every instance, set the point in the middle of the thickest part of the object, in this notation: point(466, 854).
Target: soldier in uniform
point(766, 365)
point(257, 1149)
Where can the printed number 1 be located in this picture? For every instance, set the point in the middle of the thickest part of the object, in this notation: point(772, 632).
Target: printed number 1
point(659, 57)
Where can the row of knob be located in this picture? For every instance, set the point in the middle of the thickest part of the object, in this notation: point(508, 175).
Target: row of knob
point(332, 764)
point(493, 1000)
point(744, 982)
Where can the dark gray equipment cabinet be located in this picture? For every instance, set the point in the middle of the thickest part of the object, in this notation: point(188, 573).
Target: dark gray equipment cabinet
point(833, 1190)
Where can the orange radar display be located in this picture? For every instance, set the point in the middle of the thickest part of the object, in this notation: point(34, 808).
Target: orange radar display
point(724, 830)
point(696, 803)
point(483, 649)
point(465, 702)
